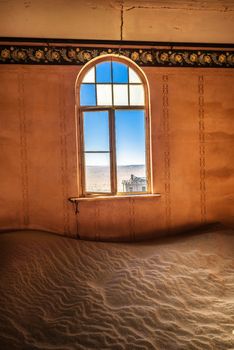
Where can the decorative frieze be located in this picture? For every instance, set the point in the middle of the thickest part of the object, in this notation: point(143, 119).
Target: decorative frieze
point(78, 55)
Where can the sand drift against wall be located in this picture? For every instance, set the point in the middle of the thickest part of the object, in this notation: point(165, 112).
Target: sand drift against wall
point(58, 293)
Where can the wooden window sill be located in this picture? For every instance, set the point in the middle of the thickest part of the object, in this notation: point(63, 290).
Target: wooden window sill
point(129, 196)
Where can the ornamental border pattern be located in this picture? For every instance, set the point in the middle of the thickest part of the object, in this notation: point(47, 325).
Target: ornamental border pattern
point(151, 57)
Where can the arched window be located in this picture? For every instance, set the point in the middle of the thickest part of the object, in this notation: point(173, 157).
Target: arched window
point(113, 128)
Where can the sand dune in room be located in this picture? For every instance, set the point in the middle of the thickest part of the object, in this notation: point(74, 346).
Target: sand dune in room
point(171, 294)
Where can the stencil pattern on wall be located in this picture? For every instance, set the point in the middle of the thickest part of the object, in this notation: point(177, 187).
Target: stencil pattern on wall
point(166, 130)
point(201, 116)
point(23, 152)
point(64, 159)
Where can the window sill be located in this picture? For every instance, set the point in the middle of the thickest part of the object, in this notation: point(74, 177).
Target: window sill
point(128, 196)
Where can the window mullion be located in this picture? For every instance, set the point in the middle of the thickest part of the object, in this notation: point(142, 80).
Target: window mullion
point(82, 156)
point(113, 152)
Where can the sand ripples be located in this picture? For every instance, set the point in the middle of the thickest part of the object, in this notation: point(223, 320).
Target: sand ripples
point(57, 293)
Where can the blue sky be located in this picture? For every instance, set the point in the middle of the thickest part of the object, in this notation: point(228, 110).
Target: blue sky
point(129, 124)
point(130, 136)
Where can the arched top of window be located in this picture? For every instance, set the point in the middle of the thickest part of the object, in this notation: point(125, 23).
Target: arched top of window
point(112, 81)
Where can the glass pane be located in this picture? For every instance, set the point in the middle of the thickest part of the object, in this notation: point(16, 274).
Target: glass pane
point(103, 72)
point(120, 72)
point(130, 150)
point(137, 95)
point(89, 76)
point(104, 95)
point(97, 172)
point(96, 131)
point(120, 95)
point(87, 95)
point(133, 76)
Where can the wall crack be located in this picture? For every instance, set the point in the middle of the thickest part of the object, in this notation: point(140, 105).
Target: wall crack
point(121, 21)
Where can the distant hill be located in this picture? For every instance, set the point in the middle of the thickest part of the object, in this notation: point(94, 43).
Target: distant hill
point(97, 177)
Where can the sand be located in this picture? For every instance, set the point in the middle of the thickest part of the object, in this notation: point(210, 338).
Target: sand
point(168, 294)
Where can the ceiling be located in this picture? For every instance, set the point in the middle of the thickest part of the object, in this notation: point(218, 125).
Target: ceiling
point(172, 20)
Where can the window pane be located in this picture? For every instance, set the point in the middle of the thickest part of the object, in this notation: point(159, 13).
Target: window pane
point(104, 95)
point(103, 72)
point(133, 76)
point(89, 76)
point(87, 95)
point(120, 95)
point(120, 72)
point(130, 151)
point(96, 131)
point(97, 172)
point(137, 95)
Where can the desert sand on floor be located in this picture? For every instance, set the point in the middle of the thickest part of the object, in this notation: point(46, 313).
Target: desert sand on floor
point(168, 294)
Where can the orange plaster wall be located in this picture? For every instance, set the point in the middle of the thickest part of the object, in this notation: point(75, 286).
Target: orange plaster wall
point(192, 148)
